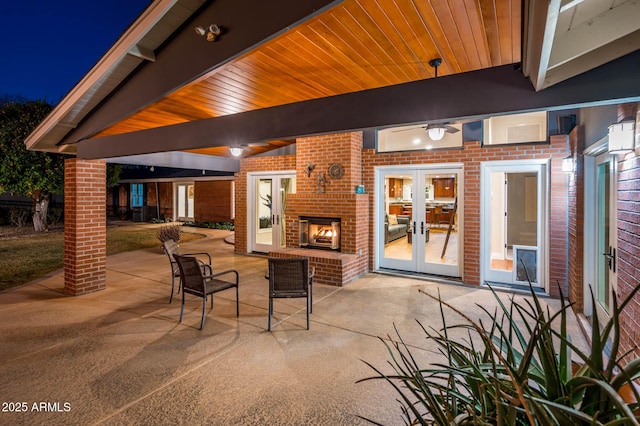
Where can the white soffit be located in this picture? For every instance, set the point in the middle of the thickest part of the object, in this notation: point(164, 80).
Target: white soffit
point(181, 160)
point(579, 35)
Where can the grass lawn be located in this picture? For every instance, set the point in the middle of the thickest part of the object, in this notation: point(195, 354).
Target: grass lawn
point(27, 257)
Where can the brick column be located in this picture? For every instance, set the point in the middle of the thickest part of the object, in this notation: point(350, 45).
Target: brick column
point(84, 226)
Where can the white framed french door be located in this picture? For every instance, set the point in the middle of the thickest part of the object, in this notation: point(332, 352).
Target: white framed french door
point(418, 218)
point(513, 222)
point(185, 197)
point(601, 233)
point(267, 202)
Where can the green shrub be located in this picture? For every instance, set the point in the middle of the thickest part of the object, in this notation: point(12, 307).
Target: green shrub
point(228, 226)
point(507, 374)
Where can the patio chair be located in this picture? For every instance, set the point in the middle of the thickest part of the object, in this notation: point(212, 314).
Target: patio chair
point(170, 247)
point(288, 278)
point(197, 283)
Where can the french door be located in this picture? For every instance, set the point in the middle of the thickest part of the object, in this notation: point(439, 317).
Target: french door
point(605, 260)
point(419, 219)
point(266, 211)
point(185, 201)
point(513, 222)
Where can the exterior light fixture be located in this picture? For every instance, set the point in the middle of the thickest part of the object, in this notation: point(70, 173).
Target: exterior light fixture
point(567, 164)
point(621, 138)
point(235, 151)
point(211, 32)
point(436, 133)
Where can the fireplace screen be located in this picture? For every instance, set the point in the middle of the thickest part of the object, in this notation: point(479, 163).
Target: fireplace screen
point(319, 233)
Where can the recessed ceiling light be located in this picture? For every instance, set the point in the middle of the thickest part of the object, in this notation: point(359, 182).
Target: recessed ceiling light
point(416, 141)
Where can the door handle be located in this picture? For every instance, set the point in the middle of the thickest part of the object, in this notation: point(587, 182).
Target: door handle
point(422, 228)
point(273, 219)
point(611, 258)
point(414, 227)
point(278, 219)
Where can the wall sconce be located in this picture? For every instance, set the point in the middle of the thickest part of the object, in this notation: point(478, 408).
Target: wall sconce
point(621, 138)
point(567, 164)
point(235, 151)
point(211, 32)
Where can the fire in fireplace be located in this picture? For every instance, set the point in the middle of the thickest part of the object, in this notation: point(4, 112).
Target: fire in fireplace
point(319, 232)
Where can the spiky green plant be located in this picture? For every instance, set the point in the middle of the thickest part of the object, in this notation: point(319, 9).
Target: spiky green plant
point(504, 373)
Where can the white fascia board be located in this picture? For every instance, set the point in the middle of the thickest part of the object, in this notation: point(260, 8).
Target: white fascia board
point(119, 50)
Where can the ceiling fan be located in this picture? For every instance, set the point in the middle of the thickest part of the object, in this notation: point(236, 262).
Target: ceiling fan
point(436, 131)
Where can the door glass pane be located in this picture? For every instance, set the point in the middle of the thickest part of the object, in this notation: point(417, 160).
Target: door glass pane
point(602, 288)
point(190, 200)
point(263, 206)
point(501, 255)
point(396, 221)
point(441, 218)
point(182, 197)
point(513, 217)
point(287, 186)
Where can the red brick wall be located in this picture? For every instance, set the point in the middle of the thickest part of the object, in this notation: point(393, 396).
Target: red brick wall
point(213, 201)
point(339, 198)
point(471, 155)
point(358, 231)
point(576, 220)
point(629, 243)
point(165, 189)
point(84, 226)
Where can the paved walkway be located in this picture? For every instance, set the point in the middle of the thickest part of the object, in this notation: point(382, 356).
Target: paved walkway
point(120, 356)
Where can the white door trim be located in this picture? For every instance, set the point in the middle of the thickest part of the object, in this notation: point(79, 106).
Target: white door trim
point(251, 194)
point(417, 170)
point(542, 166)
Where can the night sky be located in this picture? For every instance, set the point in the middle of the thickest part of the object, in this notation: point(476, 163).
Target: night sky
point(47, 46)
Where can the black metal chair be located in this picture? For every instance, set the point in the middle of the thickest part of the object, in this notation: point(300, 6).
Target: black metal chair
point(196, 282)
point(170, 247)
point(289, 278)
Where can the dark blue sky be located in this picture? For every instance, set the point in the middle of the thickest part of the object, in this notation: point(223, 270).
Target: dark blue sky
point(47, 46)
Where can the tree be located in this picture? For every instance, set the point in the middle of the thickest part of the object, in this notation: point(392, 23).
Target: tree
point(32, 173)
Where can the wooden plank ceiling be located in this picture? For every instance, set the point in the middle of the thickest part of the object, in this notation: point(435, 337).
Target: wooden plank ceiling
point(356, 45)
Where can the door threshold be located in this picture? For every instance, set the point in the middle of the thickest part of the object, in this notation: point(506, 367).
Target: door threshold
point(514, 288)
point(421, 276)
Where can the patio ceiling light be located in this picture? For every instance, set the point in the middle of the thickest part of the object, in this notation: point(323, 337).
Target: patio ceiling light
point(235, 151)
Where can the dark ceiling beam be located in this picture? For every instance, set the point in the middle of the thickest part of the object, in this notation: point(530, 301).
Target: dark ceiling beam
point(475, 94)
point(186, 56)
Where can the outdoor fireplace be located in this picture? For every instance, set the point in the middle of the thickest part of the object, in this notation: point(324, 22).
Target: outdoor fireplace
point(319, 232)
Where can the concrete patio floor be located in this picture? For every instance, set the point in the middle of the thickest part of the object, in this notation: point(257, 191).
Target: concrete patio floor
point(120, 356)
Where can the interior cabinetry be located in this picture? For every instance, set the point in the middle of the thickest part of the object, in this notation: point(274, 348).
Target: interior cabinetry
point(444, 187)
point(395, 209)
point(395, 188)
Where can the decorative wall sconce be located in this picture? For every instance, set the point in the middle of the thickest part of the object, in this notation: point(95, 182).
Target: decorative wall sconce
point(621, 138)
point(235, 151)
point(567, 164)
point(310, 168)
point(211, 32)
